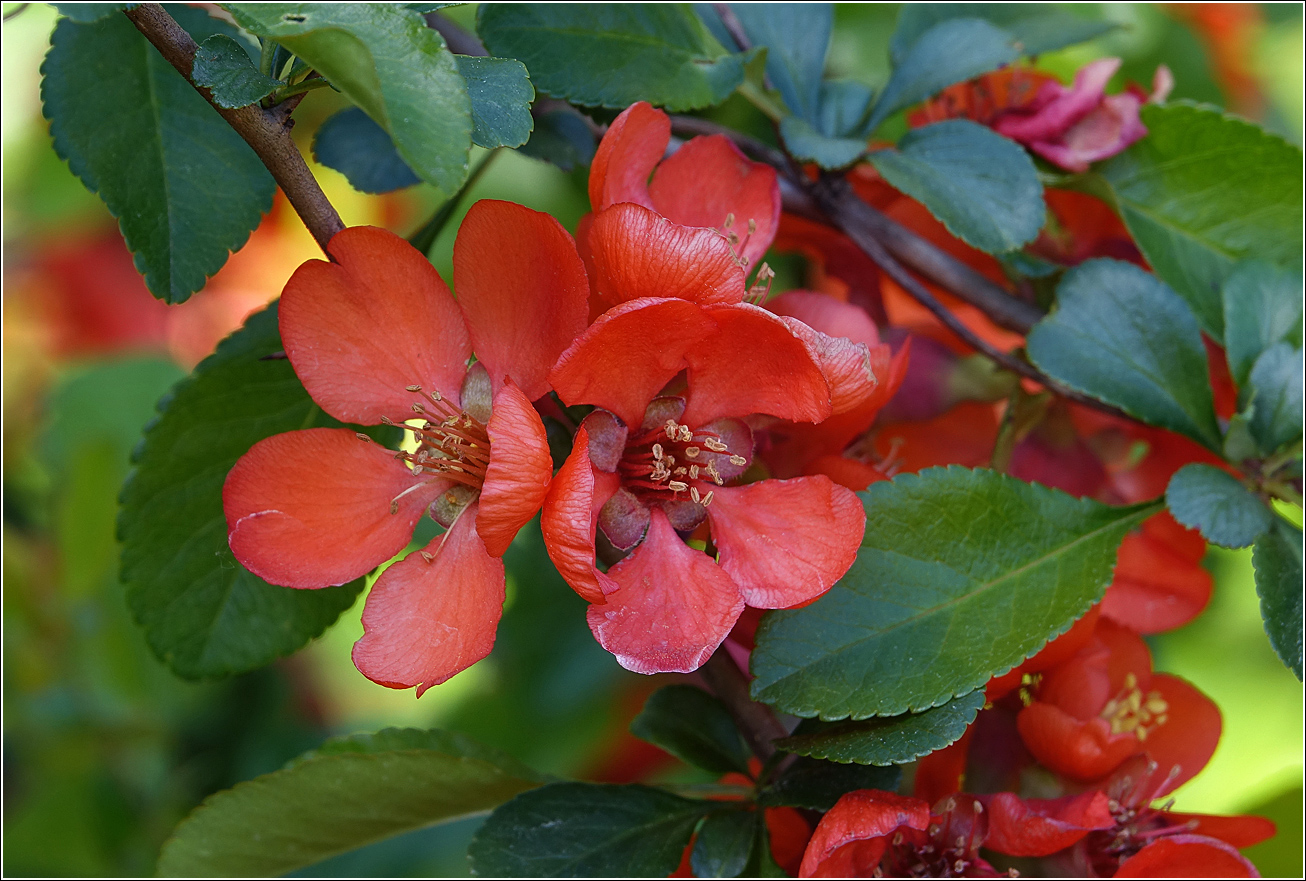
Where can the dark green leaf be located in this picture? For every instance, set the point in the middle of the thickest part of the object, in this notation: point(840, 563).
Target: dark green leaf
point(354, 145)
point(224, 68)
point(612, 55)
point(845, 106)
point(947, 53)
point(816, 785)
point(346, 795)
point(1036, 27)
point(85, 13)
point(204, 614)
point(1239, 445)
point(724, 844)
point(694, 726)
point(1262, 306)
point(501, 94)
point(448, 742)
point(387, 61)
point(1122, 336)
point(1204, 190)
point(807, 144)
point(186, 189)
point(586, 829)
point(1216, 503)
point(797, 38)
point(563, 138)
point(961, 576)
point(892, 740)
point(982, 186)
point(1276, 384)
point(1277, 557)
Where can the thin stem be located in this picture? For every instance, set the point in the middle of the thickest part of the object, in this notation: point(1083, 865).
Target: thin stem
point(267, 51)
point(759, 99)
point(299, 88)
point(267, 131)
point(756, 721)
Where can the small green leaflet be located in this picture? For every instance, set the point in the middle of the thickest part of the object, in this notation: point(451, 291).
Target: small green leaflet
point(1276, 384)
point(186, 189)
point(961, 576)
point(1262, 306)
point(725, 842)
point(501, 95)
point(1216, 503)
point(694, 726)
point(1277, 558)
point(797, 38)
point(347, 794)
point(224, 68)
point(354, 145)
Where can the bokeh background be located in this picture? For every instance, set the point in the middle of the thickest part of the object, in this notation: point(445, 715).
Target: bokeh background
point(105, 750)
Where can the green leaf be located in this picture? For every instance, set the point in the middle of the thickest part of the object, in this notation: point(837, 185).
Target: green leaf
point(1262, 306)
point(85, 13)
point(186, 189)
point(586, 829)
point(501, 94)
point(341, 797)
point(724, 844)
point(612, 55)
point(204, 614)
point(947, 53)
point(354, 145)
point(1216, 503)
point(961, 576)
point(448, 742)
point(1239, 445)
point(387, 61)
point(892, 740)
point(694, 726)
point(562, 138)
point(837, 137)
point(1202, 191)
point(806, 143)
point(224, 68)
point(797, 38)
point(1122, 336)
point(1036, 27)
point(1276, 383)
point(1277, 558)
point(983, 187)
point(816, 785)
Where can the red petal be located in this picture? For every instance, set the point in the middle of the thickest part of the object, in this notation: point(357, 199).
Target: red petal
point(786, 542)
point(569, 519)
point(312, 508)
point(362, 329)
point(846, 365)
point(824, 313)
point(708, 179)
point(522, 289)
point(864, 815)
point(673, 606)
point(1187, 856)
point(1189, 735)
point(753, 363)
point(1242, 831)
point(940, 773)
point(426, 620)
point(1038, 827)
point(1159, 582)
point(635, 253)
point(518, 474)
point(1080, 750)
point(629, 354)
point(632, 146)
point(1056, 652)
point(852, 473)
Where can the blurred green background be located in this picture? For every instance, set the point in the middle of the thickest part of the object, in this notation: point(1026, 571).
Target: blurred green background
point(105, 750)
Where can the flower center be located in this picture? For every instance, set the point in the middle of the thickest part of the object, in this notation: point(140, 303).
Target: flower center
point(451, 443)
point(675, 459)
point(1132, 712)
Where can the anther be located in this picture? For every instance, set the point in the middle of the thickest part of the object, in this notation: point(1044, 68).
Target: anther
point(364, 438)
point(657, 452)
point(412, 388)
point(693, 472)
point(693, 494)
point(730, 219)
point(691, 452)
point(707, 499)
point(685, 434)
point(394, 506)
point(714, 445)
point(435, 396)
point(386, 420)
point(677, 487)
point(430, 558)
point(738, 460)
point(752, 226)
point(418, 408)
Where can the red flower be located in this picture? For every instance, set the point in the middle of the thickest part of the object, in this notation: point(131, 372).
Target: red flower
point(376, 337)
point(1104, 705)
point(874, 833)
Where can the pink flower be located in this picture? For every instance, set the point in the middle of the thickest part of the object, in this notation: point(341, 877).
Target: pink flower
point(1073, 127)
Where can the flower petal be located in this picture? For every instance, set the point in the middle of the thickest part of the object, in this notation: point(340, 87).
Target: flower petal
point(569, 519)
point(632, 146)
point(629, 354)
point(786, 542)
point(360, 330)
point(1081, 750)
point(635, 252)
point(707, 180)
point(1037, 827)
point(1187, 856)
point(822, 312)
point(1159, 581)
point(427, 619)
point(1240, 831)
point(523, 290)
point(518, 474)
point(673, 606)
point(1188, 737)
point(312, 508)
point(1055, 117)
point(754, 363)
point(846, 365)
point(864, 815)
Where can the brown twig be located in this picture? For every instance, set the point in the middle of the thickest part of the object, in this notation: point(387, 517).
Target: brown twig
point(756, 721)
point(267, 131)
